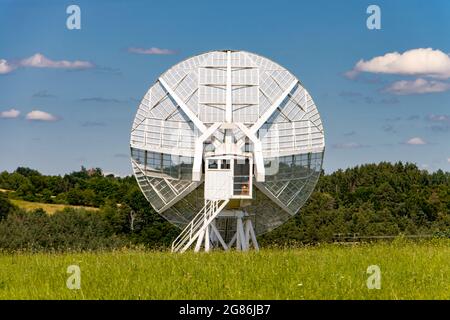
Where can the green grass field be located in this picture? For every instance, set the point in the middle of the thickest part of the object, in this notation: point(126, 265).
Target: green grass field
point(408, 271)
point(47, 207)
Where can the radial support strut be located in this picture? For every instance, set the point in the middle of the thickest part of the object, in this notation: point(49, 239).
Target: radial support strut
point(242, 240)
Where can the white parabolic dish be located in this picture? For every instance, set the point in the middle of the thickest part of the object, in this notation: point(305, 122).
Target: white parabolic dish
point(191, 109)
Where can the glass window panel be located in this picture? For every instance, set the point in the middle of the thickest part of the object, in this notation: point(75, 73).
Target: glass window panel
point(213, 164)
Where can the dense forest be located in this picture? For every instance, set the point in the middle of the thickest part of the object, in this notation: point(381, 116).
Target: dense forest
point(372, 200)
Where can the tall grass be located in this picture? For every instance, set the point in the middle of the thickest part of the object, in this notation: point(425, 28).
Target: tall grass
point(409, 270)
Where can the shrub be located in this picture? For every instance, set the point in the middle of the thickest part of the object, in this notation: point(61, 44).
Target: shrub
point(70, 229)
point(6, 207)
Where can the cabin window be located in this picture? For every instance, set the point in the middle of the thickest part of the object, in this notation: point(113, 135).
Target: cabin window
point(241, 178)
point(225, 164)
point(213, 164)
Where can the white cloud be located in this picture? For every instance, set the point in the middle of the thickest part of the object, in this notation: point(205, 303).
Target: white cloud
point(152, 50)
point(5, 67)
point(348, 145)
point(40, 61)
point(416, 141)
point(448, 160)
point(418, 86)
point(10, 114)
point(419, 62)
point(438, 118)
point(37, 115)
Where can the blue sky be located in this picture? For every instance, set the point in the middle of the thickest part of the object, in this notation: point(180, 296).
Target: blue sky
point(80, 113)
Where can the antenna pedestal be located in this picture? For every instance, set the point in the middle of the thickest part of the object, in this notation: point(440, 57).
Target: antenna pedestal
point(243, 238)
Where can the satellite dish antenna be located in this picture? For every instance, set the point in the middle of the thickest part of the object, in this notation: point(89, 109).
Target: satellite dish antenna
point(226, 145)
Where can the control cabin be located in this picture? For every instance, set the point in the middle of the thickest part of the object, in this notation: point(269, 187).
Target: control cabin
point(228, 177)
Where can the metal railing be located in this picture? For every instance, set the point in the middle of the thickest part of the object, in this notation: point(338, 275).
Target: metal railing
point(355, 237)
point(198, 224)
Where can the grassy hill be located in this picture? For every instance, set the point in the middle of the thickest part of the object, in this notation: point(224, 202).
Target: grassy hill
point(47, 207)
point(50, 208)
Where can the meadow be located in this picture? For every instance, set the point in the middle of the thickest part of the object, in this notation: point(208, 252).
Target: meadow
point(50, 208)
point(409, 270)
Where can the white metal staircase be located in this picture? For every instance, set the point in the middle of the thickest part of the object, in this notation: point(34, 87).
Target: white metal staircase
point(198, 226)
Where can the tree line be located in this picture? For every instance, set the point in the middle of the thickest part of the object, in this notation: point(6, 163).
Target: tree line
point(382, 199)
